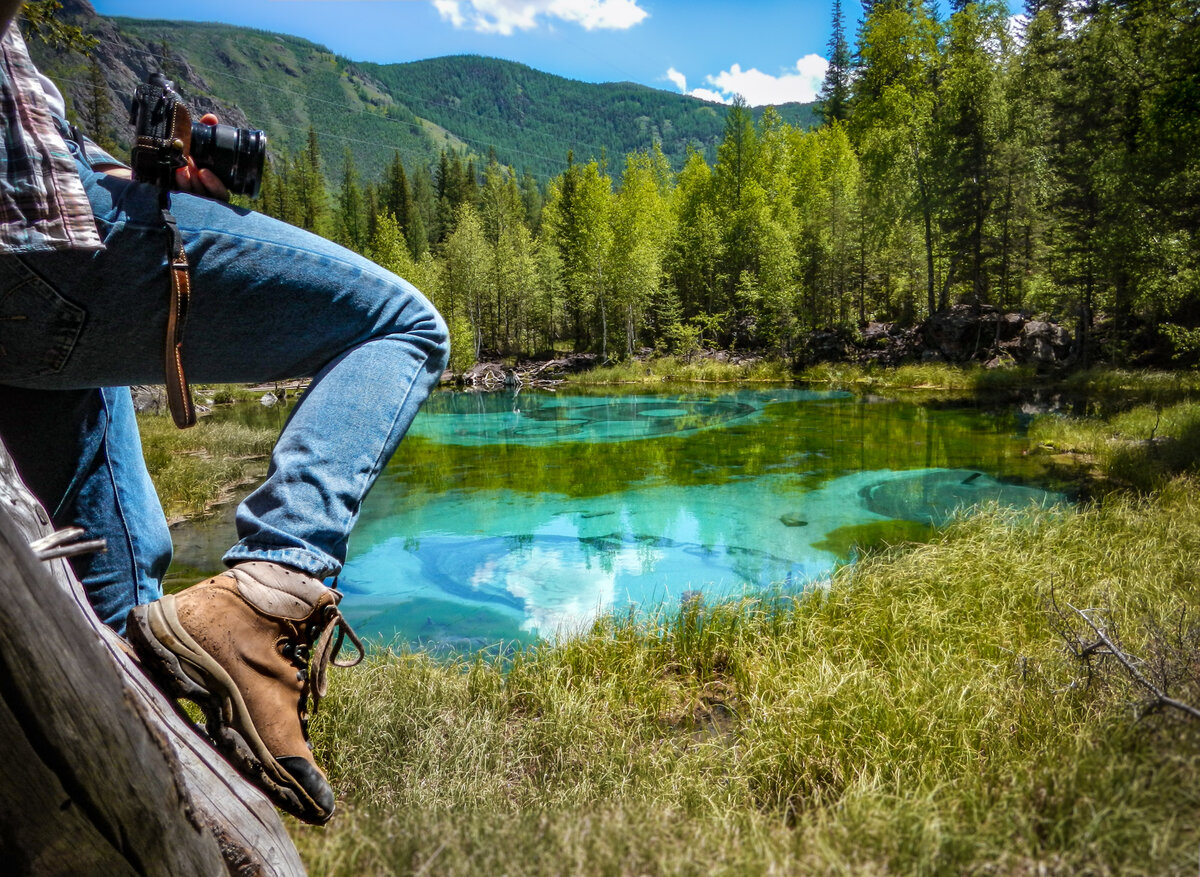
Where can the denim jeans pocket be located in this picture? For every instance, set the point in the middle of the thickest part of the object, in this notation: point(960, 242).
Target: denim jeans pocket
point(38, 327)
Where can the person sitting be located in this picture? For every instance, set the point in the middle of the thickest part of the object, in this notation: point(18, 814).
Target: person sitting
point(83, 311)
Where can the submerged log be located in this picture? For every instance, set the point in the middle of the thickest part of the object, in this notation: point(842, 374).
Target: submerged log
point(102, 775)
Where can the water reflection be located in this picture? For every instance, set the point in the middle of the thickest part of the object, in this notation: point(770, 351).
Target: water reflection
point(509, 516)
point(488, 418)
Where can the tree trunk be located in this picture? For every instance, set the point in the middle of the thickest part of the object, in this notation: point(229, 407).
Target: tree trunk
point(102, 775)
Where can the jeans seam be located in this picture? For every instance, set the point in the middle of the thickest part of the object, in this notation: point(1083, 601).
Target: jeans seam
point(117, 498)
point(72, 317)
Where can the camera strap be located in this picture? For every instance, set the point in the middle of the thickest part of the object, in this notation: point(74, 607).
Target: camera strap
point(179, 394)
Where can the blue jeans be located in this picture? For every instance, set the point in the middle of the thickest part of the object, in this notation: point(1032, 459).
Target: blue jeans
point(269, 301)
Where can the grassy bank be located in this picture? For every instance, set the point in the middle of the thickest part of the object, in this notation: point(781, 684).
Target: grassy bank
point(194, 468)
point(971, 377)
point(667, 369)
point(920, 715)
point(1141, 448)
point(976, 378)
point(924, 376)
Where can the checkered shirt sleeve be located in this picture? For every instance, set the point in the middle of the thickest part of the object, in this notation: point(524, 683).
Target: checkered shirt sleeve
point(42, 202)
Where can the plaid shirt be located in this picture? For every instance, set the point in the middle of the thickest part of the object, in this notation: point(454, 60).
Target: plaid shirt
point(42, 202)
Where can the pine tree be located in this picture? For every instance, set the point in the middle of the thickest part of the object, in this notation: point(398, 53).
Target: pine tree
point(307, 198)
point(970, 123)
point(425, 211)
point(98, 107)
point(531, 198)
point(352, 222)
point(395, 195)
point(835, 90)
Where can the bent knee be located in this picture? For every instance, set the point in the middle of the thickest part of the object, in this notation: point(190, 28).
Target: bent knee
point(422, 320)
point(442, 356)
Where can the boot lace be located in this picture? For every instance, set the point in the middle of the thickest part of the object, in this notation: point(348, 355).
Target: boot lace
point(313, 669)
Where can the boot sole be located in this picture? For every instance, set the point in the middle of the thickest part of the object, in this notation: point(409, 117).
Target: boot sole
point(184, 670)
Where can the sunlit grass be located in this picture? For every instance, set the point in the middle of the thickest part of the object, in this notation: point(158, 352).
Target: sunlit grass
point(924, 376)
point(1143, 381)
point(1140, 448)
point(225, 394)
point(918, 717)
point(193, 468)
point(674, 369)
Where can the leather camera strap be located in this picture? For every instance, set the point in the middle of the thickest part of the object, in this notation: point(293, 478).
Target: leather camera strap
point(179, 394)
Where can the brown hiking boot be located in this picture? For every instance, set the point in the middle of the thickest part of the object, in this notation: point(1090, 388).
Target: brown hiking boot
point(238, 645)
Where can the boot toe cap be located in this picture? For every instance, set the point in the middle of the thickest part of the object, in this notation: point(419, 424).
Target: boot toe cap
point(309, 778)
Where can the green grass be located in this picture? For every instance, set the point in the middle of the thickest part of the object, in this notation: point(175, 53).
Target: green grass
point(193, 468)
point(1141, 448)
point(925, 376)
point(667, 369)
point(225, 394)
point(918, 717)
point(1143, 381)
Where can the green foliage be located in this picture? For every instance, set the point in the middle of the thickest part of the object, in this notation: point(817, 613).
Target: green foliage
point(533, 118)
point(1142, 448)
point(194, 468)
point(42, 19)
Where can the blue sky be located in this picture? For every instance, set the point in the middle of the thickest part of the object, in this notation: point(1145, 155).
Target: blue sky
point(770, 51)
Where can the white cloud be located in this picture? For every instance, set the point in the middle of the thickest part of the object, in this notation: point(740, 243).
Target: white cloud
point(678, 78)
point(760, 89)
point(450, 11)
point(709, 95)
point(505, 16)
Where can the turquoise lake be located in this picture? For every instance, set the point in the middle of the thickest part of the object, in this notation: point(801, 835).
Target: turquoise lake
point(512, 516)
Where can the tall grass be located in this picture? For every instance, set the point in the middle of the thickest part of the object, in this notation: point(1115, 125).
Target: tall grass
point(922, 376)
point(1110, 380)
point(917, 716)
point(193, 468)
point(699, 370)
point(1141, 448)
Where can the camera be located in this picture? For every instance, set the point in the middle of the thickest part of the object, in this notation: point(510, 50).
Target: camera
point(164, 135)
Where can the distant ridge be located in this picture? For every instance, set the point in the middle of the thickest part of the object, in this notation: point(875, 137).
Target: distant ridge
point(285, 84)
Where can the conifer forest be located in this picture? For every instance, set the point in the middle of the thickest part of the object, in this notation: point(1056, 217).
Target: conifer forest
point(1046, 163)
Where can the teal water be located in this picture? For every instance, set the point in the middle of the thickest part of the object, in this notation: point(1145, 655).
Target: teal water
point(516, 516)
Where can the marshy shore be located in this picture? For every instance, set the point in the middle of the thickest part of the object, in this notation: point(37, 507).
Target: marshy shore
point(945, 707)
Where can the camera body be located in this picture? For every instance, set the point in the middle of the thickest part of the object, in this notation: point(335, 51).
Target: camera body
point(165, 135)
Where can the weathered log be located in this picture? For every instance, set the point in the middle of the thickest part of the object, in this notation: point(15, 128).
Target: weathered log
point(102, 775)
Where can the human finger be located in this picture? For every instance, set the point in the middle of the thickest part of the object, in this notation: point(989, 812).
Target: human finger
point(185, 178)
point(210, 185)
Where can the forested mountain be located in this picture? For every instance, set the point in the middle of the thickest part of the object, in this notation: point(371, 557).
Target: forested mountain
point(533, 118)
point(285, 85)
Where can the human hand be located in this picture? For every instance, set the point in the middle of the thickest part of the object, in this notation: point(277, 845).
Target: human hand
point(201, 181)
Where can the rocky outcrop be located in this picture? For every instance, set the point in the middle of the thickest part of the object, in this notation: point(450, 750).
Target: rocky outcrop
point(960, 334)
point(125, 62)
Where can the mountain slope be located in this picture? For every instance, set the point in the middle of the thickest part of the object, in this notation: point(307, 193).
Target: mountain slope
point(533, 118)
point(286, 84)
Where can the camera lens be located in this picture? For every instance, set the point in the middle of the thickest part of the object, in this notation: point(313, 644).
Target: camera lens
point(235, 155)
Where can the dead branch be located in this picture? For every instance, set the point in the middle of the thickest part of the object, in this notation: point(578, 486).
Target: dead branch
point(1105, 645)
